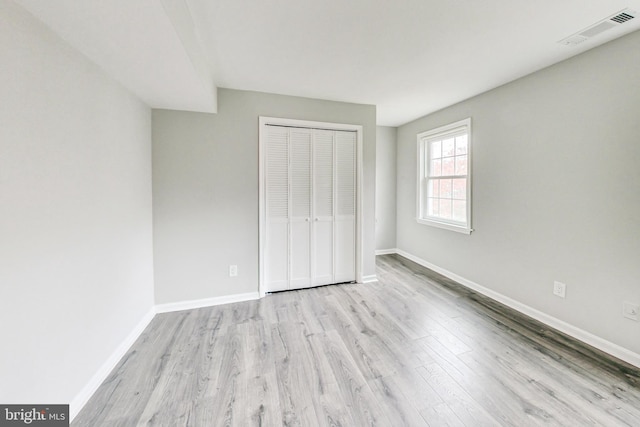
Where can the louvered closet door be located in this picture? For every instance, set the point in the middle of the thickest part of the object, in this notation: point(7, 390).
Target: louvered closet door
point(323, 188)
point(345, 207)
point(277, 209)
point(300, 207)
point(310, 207)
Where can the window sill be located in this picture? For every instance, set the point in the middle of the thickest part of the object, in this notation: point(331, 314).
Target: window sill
point(453, 227)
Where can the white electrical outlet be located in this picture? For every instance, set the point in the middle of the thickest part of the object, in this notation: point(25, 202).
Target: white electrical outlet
point(559, 289)
point(630, 310)
point(233, 270)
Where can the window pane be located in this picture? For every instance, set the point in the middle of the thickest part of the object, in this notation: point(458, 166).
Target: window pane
point(460, 210)
point(448, 166)
point(461, 144)
point(436, 149)
point(436, 168)
point(460, 189)
point(433, 207)
point(461, 165)
point(447, 147)
point(445, 188)
point(434, 188)
point(445, 208)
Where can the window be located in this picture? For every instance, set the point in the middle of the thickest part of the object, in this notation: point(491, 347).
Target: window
point(444, 177)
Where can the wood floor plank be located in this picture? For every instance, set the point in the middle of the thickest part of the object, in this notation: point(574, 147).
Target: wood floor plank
point(413, 349)
point(327, 395)
point(458, 399)
point(260, 395)
point(397, 408)
point(293, 376)
point(416, 390)
point(441, 416)
point(355, 392)
point(362, 343)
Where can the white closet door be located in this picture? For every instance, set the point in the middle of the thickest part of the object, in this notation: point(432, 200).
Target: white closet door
point(277, 209)
point(310, 185)
point(323, 177)
point(345, 207)
point(300, 145)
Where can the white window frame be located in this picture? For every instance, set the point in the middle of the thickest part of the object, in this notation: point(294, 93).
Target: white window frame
point(423, 173)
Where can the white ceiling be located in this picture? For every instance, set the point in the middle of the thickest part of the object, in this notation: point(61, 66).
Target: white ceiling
point(408, 57)
point(146, 45)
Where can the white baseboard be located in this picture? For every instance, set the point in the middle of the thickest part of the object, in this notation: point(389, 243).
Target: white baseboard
point(206, 302)
point(370, 278)
point(386, 251)
point(98, 378)
point(573, 331)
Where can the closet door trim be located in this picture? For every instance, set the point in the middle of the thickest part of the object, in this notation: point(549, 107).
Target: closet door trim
point(263, 123)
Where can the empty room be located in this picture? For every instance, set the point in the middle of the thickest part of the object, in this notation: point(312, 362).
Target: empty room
point(320, 213)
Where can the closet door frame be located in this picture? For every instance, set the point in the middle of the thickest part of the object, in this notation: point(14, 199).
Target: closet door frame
point(263, 122)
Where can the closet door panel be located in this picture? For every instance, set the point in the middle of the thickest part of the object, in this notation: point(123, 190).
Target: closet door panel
point(323, 188)
point(277, 209)
point(345, 207)
point(300, 145)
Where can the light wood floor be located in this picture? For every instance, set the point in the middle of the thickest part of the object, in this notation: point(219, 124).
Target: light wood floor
point(413, 349)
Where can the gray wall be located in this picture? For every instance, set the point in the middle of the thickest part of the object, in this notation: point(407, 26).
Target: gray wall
point(556, 191)
point(75, 214)
point(205, 190)
point(386, 187)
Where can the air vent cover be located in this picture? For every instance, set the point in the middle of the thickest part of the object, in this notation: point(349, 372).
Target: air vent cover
point(622, 17)
point(599, 27)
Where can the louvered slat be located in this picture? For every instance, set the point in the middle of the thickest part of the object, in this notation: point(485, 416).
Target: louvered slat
point(323, 173)
point(300, 173)
point(277, 176)
point(345, 173)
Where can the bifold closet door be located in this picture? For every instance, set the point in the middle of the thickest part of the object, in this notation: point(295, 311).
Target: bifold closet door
point(288, 204)
point(310, 207)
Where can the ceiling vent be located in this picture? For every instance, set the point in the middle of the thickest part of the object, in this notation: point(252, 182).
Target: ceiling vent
point(599, 27)
point(623, 17)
